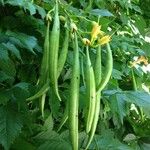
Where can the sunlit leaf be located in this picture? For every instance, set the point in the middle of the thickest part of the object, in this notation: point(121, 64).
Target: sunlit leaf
point(101, 12)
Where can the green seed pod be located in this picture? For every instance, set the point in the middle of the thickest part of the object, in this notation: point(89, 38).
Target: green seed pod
point(108, 69)
point(74, 96)
point(97, 72)
point(90, 91)
point(63, 53)
point(54, 47)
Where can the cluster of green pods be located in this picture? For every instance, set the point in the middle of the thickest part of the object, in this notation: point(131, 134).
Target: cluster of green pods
point(52, 64)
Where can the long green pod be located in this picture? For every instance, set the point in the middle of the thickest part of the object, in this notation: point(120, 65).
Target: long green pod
point(43, 83)
point(44, 72)
point(45, 60)
point(82, 70)
point(108, 69)
point(63, 53)
point(90, 91)
point(42, 103)
point(64, 118)
point(54, 47)
point(97, 72)
point(98, 66)
point(41, 92)
point(74, 96)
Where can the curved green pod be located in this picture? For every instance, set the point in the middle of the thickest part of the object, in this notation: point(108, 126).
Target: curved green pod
point(54, 47)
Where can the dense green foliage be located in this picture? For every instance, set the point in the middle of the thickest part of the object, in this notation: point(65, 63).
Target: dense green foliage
point(124, 119)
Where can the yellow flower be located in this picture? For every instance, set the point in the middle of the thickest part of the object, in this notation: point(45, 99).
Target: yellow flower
point(95, 31)
point(86, 41)
point(104, 40)
point(140, 60)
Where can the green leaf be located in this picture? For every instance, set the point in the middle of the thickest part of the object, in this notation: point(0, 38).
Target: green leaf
point(54, 104)
point(146, 48)
point(48, 125)
point(129, 137)
point(116, 74)
point(124, 18)
point(101, 12)
point(15, 2)
point(107, 141)
point(118, 105)
point(29, 6)
point(23, 40)
point(139, 98)
point(14, 40)
point(137, 8)
point(145, 146)
point(8, 67)
point(4, 53)
point(21, 91)
point(22, 85)
point(65, 135)
point(4, 98)
point(4, 76)
point(22, 144)
point(55, 144)
point(140, 24)
point(10, 125)
point(41, 11)
point(12, 48)
point(46, 135)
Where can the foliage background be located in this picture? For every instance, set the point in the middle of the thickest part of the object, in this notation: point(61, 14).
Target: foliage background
point(125, 114)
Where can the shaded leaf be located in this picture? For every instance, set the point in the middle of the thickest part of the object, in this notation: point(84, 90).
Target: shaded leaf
point(116, 74)
point(4, 76)
point(54, 144)
point(3, 53)
point(4, 98)
point(23, 40)
point(8, 67)
point(12, 48)
point(22, 144)
point(145, 146)
point(21, 91)
point(107, 141)
point(10, 126)
point(46, 135)
point(48, 125)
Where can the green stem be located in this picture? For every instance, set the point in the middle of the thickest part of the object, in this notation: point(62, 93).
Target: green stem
point(135, 89)
point(134, 80)
point(89, 5)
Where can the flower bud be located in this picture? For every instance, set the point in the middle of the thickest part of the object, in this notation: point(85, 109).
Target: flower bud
point(86, 41)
